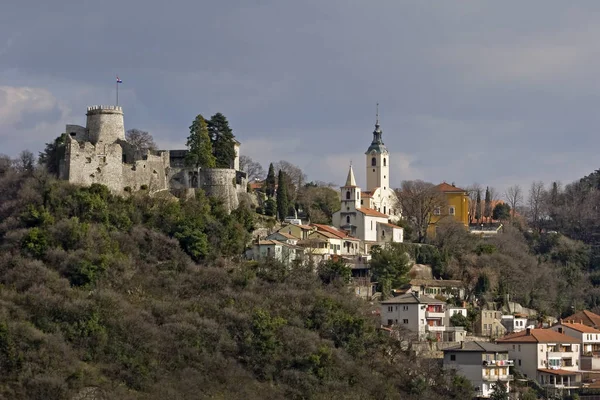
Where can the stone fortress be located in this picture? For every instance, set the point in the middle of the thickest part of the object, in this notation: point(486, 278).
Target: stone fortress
point(99, 153)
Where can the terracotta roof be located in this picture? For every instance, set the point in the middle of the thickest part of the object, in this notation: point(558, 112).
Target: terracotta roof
point(579, 327)
point(557, 371)
point(537, 336)
point(390, 225)
point(366, 194)
point(326, 234)
point(331, 229)
point(411, 298)
point(371, 212)
point(584, 317)
point(444, 187)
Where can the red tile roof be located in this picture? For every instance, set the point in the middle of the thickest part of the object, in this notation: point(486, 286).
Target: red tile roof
point(557, 371)
point(579, 327)
point(330, 229)
point(584, 317)
point(371, 212)
point(537, 336)
point(444, 187)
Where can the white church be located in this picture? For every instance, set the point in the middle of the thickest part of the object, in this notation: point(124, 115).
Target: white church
point(366, 215)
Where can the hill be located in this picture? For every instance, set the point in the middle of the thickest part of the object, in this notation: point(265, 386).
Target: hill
point(106, 297)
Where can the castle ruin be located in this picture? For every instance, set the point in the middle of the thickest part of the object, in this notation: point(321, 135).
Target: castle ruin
point(99, 153)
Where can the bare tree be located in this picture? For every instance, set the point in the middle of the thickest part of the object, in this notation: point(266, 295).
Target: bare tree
point(252, 168)
point(418, 201)
point(25, 162)
point(514, 197)
point(536, 203)
point(472, 190)
point(297, 177)
point(141, 139)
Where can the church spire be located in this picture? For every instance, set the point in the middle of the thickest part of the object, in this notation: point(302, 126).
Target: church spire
point(377, 143)
point(350, 181)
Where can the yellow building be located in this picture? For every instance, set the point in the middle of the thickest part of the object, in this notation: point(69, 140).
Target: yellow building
point(455, 207)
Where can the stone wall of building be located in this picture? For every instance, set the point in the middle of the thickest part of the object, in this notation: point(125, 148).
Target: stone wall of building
point(148, 173)
point(105, 124)
point(220, 183)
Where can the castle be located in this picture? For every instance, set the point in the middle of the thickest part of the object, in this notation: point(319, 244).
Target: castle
point(99, 153)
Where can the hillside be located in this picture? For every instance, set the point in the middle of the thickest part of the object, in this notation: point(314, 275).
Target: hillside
point(143, 298)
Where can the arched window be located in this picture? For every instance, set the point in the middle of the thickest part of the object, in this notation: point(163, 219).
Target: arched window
point(384, 162)
point(373, 161)
point(383, 234)
point(348, 195)
point(347, 219)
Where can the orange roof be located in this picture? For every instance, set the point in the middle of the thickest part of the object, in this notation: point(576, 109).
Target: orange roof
point(287, 235)
point(537, 336)
point(366, 194)
point(330, 229)
point(371, 212)
point(256, 184)
point(584, 317)
point(558, 371)
point(579, 327)
point(444, 187)
point(326, 234)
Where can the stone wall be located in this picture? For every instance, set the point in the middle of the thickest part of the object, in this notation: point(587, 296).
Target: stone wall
point(220, 183)
point(105, 124)
point(149, 173)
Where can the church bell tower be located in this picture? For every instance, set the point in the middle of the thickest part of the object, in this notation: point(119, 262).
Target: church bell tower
point(378, 161)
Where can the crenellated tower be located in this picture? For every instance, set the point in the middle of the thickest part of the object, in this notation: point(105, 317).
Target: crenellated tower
point(105, 124)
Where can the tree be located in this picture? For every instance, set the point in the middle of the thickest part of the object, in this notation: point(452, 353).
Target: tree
point(499, 391)
point(460, 320)
point(418, 201)
point(501, 212)
point(319, 202)
point(52, 155)
point(25, 162)
point(473, 190)
point(271, 182)
point(514, 196)
point(334, 271)
point(200, 152)
point(487, 208)
point(282, 196)
point(142, 140)
point(253, 169)
point(295, 174)
point(390, 266)
point(223, 141)
point(271, 207)
point(536, 203)
point(478, 207)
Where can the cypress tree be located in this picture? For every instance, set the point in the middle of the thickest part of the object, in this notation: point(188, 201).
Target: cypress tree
point(222, 140)
point(478, 206)
point(270, 182)
point(487, 208)
point(282, 200)
point(200, 152)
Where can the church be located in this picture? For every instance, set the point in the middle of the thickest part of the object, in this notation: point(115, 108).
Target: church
point(366, 215)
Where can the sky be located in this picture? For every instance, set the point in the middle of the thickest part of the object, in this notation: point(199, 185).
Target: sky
point(498, 93)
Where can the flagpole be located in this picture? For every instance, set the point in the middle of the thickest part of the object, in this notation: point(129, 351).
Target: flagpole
point(117, 83)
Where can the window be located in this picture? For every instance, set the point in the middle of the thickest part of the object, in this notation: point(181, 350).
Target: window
point(348, 195)
point(373, 162)
point(390, 308)
point(405, 321)
point(383, 234)
point(361, 202)
point(390, 322)
point(384, 209)
point(436, 211)
point(519, 362)
point(519, 347)
point(73, 134)
point(347, 219)
point(405, 308)
point(371, 225)
point(452, 210)
point(452, 357)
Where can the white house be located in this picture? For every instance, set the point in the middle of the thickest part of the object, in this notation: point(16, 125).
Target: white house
point(280, 251)
point(482, 363)
point(514, 323)
point(283, 236)
point(453, 310)
point(423, 315)
point(438, 287)
point(590, 342)
point(550, 357)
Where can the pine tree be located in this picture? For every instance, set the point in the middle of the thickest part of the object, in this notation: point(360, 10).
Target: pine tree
point(222, 140)
point(487, 208)
point(478, 207)
point(282, 193)
point(200, 152)
point(270, 182)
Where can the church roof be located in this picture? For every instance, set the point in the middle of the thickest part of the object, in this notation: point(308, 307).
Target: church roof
point(366, 194)
point(444, 187)
point(350, 181)
point(371, 212)
point(377, 143)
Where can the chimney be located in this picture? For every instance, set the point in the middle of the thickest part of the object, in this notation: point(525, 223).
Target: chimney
point(528, 332)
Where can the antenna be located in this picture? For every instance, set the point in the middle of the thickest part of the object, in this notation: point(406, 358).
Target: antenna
point(377, 115)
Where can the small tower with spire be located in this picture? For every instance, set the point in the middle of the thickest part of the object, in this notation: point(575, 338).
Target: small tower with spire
point(378, 162)
point(350, 194)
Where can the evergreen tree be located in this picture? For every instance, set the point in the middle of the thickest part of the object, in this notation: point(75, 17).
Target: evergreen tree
point(200, 148)
point(270, 207)
point(52, 154)
point(487, 208)
point(499, 391)
point(282, 196)
point(222, 140)
point(478, 207)
point(270, 182)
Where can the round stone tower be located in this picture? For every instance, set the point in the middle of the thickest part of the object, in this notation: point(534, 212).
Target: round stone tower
point(105, 124)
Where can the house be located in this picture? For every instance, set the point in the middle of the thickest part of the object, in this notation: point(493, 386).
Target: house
point(488, 323)
point(549, 357)
point(438, 287)
point(299, 231)
point(283, 237)
point(350, 245)
point(453, 310)
point(422, 315)
point(482, 363)
point(590, 342)
point(514, 323)
point(455, 207)
point(585, 317)
point(280, 251)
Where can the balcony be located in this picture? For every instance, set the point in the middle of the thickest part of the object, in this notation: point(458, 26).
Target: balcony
point(435, 328)
point(499, 363)
point(435, 314)
point(495, 378)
